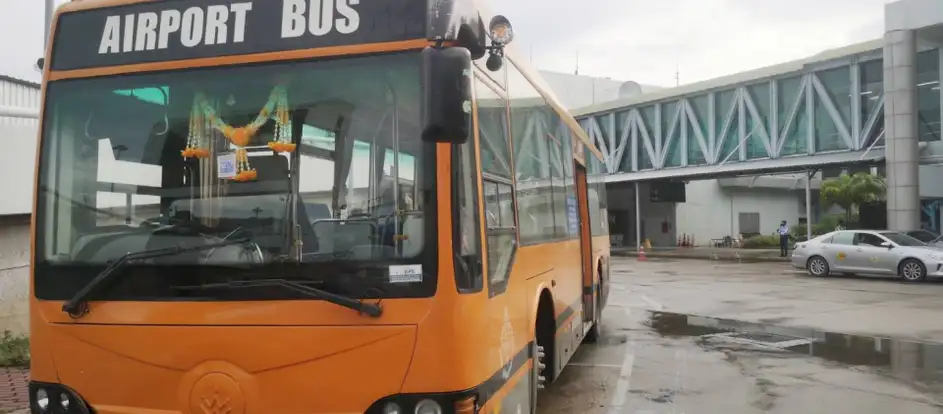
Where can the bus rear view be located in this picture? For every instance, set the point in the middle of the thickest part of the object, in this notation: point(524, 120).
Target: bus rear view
point(238, 207)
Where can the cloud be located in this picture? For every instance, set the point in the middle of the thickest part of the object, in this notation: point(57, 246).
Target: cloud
point(640, 40)
point(648, 40)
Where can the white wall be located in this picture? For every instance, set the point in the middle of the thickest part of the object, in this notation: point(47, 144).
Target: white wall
point(14, 274)
point(931, 181)
point(576, 91)
point(17, 164)
point(912, 14)
point(712, 212)
point(18, 94)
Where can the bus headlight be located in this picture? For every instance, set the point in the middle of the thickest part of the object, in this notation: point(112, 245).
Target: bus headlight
point(428, 407)
point(392, 408)
point(42, 399)
point(64, 401)
point(464, 402)
point(55, 398)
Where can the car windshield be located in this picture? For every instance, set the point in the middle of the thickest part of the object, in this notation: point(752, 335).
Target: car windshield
point(902, 239)
point(316, 162)
point(922, 235)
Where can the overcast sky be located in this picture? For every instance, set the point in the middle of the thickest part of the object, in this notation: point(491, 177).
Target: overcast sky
point(640, 40)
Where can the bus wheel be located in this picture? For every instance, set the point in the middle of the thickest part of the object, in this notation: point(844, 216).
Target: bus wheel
point(593, 335)
point(537, 381)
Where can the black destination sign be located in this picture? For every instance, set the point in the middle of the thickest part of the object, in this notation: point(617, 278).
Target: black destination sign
point(176, 29)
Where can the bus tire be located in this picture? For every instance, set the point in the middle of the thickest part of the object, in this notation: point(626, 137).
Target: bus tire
point(544, 335)
point(536, 379)
point(594, 333)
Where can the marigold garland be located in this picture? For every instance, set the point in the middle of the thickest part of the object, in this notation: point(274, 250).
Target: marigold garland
point(203, 117)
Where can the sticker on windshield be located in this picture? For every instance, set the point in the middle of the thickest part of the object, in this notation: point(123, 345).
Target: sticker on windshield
point(226, 165)
point(406, 274)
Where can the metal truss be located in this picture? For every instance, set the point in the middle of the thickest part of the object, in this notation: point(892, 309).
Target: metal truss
point(686, 131)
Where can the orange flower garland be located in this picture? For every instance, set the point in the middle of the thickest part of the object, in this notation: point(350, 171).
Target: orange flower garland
point(245, 172)
point(196, 141)
point(203, 115)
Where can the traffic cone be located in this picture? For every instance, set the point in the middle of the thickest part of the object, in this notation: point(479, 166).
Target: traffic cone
point(641, 254)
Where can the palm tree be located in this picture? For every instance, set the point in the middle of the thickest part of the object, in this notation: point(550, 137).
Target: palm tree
point(850, 191)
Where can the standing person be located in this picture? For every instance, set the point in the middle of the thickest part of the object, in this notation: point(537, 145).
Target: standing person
point(840, 226)
point(783, 232)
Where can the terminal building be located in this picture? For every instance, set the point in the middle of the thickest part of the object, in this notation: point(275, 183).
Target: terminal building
point(870, 106)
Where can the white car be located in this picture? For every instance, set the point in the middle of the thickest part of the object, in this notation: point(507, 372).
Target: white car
point(869, 252)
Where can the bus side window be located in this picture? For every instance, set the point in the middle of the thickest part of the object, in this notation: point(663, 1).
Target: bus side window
point(501, 232)
point(497, 184)
point(540, 158)
point(467, 231)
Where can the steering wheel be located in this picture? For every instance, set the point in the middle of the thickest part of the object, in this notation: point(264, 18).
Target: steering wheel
point(243, 253)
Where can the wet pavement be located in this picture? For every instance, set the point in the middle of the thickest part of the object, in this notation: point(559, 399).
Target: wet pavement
point(733, 357)
point(777, 294)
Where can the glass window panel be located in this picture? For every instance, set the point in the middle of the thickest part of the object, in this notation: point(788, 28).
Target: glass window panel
point(755, 147)
point(648, 117)
point(535, 174)
point(928, 95)
point(837, 85)
point(492, 130)
point(726, 103)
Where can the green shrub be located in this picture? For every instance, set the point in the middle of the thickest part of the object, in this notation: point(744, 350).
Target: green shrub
point(761, 242)
point(826, 225)
point(14, 350)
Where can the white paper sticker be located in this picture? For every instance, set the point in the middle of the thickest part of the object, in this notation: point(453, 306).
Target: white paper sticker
point(406, 274)
point(226, 165)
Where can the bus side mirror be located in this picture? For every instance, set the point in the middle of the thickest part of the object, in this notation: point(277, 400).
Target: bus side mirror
point(446, 95)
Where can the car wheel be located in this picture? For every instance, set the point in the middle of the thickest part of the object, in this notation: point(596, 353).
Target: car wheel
point(817, 266)
point(912, 270)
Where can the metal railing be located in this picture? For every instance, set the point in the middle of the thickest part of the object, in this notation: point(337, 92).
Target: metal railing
point(17, 112)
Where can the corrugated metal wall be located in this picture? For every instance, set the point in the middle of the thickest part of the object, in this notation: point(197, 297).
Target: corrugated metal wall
point(18, 137)
point(20, 96)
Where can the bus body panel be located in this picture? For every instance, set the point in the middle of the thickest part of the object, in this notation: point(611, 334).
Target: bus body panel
point(278, 369)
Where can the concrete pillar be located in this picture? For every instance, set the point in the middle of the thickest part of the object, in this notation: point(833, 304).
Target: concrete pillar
point(900, 120)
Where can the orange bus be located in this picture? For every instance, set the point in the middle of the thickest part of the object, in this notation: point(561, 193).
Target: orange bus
point(333, 206)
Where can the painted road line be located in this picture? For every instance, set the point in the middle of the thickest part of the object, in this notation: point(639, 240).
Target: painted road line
point(625, 375)
point(586, 365)
point(654, 304)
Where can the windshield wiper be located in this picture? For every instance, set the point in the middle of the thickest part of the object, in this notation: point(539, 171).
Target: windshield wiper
point(78, 306)
point(371, 309)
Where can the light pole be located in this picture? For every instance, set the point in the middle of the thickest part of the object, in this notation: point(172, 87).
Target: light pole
point(50, 6)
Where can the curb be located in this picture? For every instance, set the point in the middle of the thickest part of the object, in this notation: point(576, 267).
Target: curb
point(718, 257)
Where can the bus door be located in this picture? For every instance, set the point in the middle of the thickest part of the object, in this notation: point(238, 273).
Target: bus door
point(582, 203)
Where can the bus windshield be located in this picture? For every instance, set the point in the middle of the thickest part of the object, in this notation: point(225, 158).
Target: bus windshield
point(317, 163)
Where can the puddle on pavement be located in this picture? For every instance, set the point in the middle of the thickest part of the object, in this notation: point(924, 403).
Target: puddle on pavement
point(906, 360)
